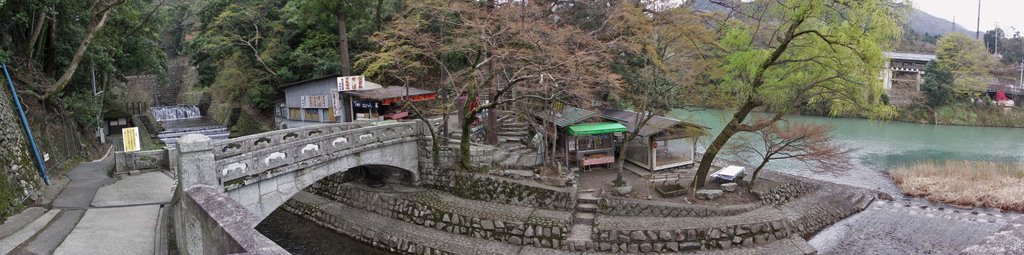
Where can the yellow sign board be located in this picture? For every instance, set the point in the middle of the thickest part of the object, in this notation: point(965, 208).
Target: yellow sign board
point(131, 139)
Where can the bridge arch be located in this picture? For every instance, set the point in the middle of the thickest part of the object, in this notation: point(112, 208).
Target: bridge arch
point(266, 195)
point(263, 171)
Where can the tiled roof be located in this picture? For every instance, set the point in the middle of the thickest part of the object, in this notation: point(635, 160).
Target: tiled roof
point(910, 56)
point(388, 92)
point(568, 116)
point(655, 125)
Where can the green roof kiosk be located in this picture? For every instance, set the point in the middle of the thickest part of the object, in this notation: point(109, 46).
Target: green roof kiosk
point(592, 144)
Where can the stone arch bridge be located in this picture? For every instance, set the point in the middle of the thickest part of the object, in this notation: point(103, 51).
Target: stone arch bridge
point(226, 188)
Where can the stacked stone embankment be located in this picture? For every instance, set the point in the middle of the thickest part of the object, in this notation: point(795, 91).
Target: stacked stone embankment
point(667, 234)
point(444, 212)
point(789, 210)
point(19, 177)
point(489, 188)
point(613, 206)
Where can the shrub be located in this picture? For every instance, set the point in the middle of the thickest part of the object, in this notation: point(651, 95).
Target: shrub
point(968, 183)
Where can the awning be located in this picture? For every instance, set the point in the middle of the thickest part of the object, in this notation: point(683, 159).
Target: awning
point(596, 128)
point(388, 95)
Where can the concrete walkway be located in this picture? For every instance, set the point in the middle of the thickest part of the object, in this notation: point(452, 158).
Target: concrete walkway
point(94, 214)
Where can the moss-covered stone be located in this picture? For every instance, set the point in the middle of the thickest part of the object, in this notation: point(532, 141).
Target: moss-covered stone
point(247, 125)
point(18, 177)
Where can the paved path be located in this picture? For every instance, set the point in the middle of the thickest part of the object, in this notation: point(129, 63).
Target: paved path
point(123, 230)
point(888, 227)
point(94, 214)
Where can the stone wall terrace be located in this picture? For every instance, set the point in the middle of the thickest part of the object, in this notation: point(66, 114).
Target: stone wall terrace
point(614, 206)
point(483, 187)
point(445, 212)
point(660, 234)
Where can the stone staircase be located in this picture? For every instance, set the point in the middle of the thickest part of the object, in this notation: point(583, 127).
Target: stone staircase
point(513, 137)
point(581, 234)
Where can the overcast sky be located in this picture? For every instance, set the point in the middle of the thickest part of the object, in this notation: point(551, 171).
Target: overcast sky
point(1006, 13)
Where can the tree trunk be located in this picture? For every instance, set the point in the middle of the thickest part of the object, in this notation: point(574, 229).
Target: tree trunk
point(620, 162)
point(343, 43)
point(464, 146)
point(712, 151)
point(436, 146)
point(377, 15)
point(753, 177)
point(82, 46)
point(464, 142)
point(37, 29)
point(50, 62)
point(554, 144)
point(492, 118)
point(492, 114)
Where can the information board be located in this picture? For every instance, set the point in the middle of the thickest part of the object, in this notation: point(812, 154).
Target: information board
point(315, 102)
point(131, 139)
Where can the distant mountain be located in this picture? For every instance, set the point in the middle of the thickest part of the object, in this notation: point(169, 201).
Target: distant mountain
point(921, 22)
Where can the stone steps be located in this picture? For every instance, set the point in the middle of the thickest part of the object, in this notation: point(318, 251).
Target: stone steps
point(586, 208)
point(520, 133)
point(510, 161)
point(523, 150)
point(579, 238)
point(588, 198)
point(582, 236)
point(516, 127)
point(499, 156)
point(514, 147)
point(528, 160)
point(584, 218)
point(511, 139)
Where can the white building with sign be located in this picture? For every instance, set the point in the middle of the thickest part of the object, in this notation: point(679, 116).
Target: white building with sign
point(332, 99)
point(312, 102)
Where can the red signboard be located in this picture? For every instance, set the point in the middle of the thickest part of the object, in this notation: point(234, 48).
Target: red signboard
point(347, 83)
point(412, 98)
point(598, 160)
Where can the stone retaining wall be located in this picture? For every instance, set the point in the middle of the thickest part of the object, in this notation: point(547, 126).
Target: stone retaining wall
point(692, 238)
point(631, 207)
point(826, 206)
point(420, 209)
point(786, 190)
point(19, 176)
point(381, 240)
point(151, 160)
point(489, 188)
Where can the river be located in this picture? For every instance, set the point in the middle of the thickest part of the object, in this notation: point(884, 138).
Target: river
point(300, 236)
point(884, 145)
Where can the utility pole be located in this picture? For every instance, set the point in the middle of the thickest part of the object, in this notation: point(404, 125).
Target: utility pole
point(977, 29)
point(998, 35)
point(99, 101)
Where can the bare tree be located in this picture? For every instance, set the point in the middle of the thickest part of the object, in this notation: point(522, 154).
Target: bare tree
point(524, 58)
point(100, 12)
point(808, 143)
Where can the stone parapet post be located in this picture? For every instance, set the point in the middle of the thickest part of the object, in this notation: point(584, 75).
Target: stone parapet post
point(196, 163)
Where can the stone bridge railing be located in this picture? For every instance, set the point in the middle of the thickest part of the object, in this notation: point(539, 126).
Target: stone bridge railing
point(249, 159)
point(209, 221)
